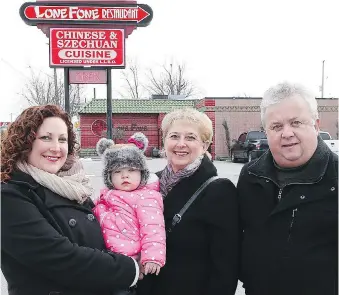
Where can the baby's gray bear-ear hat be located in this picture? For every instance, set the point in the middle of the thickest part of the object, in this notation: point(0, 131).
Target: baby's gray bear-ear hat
point(103, 144)
point(126, 156)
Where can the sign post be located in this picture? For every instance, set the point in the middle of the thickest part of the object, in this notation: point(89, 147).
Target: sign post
point(78, 44)
point(66, 86)
point(109, 105)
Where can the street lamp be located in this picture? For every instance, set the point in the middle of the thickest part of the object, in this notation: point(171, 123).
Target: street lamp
point(322, 80)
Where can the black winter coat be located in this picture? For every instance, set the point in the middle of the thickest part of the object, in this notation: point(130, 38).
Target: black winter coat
point(53, 246)
point(202, 250)
point(290, 247)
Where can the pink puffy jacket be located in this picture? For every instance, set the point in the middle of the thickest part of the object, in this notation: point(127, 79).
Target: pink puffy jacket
point(133, 222)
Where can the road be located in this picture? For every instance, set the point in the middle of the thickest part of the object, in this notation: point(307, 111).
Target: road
point(93, 169)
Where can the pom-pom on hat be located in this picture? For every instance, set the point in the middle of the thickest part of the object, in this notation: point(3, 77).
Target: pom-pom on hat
point(118, 156)
point(103, 144)
point(140, 140)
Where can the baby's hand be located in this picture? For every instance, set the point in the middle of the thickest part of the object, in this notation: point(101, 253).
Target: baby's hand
point(151, 267)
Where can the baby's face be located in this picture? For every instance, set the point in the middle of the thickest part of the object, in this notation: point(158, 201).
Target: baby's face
point(126, 179)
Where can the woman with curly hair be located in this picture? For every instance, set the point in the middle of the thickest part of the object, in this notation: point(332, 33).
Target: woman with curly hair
point(51, 243)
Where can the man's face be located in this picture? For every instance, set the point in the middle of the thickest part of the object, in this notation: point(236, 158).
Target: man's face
point(291, 132)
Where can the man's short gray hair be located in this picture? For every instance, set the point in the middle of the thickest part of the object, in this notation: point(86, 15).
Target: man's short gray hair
point(285, 90)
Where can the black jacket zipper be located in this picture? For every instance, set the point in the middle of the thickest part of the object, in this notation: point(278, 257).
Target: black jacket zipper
point(294, 213)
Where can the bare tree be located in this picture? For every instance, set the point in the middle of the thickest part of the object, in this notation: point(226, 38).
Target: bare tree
point(42, 89)
point(241, 95)
point(132, 82)
point(227, 136)
point(171, 80)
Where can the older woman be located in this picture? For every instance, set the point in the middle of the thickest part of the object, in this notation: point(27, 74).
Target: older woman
point(51, 244)
point(202, 249)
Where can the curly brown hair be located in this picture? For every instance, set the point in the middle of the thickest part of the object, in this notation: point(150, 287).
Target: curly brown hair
point(17, 143)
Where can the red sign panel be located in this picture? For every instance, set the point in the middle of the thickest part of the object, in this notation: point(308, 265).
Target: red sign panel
point(85, 76)
point(51, 12)
point(87, 48)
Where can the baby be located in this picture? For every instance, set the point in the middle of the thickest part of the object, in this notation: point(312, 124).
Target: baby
point(130, 208)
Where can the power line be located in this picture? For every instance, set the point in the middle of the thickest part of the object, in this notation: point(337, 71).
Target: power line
point(14, 68)
point(40, 71)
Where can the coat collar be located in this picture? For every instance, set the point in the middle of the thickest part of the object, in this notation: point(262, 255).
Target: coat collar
point(21, 178)
point(205, 171)
point(313, 172)
point(52, 200)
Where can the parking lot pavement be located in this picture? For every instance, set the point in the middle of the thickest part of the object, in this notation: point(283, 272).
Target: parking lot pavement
point(93, 169)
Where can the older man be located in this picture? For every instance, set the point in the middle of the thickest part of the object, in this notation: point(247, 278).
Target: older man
point(289, 202)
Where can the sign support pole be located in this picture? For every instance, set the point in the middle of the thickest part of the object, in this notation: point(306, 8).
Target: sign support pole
point(109, 104)
point(66, 86)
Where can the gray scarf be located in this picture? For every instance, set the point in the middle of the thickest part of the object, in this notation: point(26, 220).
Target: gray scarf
point(169, 178)
point(72, 184)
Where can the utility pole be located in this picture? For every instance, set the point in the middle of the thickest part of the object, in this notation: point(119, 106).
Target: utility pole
point(78, 92)
point(323, 80)
point(171, 77)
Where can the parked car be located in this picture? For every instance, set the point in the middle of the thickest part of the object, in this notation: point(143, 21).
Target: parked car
point(260, 148)
point(331, 143)
point(250, 145)
point(155, 152)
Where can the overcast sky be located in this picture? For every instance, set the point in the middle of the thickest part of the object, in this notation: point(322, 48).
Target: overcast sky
point(230, 48)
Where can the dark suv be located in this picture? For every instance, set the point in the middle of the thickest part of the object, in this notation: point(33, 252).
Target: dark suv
point(250, 145)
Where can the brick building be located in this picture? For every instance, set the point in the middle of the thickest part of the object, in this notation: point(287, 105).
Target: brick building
point(128, 115)
point(240, 113)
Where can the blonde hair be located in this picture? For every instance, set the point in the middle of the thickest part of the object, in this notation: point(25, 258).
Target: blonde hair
point(203, 122)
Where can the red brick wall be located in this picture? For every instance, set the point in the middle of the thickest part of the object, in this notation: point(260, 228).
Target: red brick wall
point(89, 140)
point(237, 121)
point(241, 115)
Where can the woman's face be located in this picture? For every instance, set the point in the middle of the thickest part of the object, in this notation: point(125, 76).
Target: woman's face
point(50, 148)
point(183, 144)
